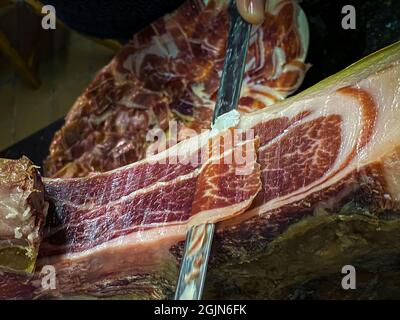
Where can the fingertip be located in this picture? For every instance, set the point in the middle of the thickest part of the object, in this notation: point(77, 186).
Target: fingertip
point(251, 10)
point(242, 7)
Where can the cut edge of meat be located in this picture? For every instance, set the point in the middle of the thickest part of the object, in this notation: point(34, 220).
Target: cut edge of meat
point(23, 211)
point(208, 200)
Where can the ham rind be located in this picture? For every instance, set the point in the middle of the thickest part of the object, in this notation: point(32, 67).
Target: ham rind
point(23, 212)
point(335, 144)
point(167, 77)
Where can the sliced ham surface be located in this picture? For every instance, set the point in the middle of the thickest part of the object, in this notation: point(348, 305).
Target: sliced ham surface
point(148, 205)
point(148, 216)
point(166, 78)
point(336, 143)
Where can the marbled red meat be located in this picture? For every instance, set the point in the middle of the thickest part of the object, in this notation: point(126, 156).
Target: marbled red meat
point(336, 143)
point(169, 198)
point(169, 72)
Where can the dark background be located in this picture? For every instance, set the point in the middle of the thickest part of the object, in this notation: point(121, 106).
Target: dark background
point(331, 47)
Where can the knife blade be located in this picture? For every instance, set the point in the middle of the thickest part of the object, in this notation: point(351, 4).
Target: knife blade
point(199, 238)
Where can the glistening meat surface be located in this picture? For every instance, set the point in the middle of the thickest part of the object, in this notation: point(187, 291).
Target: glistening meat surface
point(209, 192)
point(335, 144)
point(169, 73)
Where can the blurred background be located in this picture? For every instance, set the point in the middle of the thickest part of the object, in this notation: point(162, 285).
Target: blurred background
point(41, 71)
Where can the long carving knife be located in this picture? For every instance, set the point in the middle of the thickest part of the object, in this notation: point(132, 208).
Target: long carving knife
point(199, 238)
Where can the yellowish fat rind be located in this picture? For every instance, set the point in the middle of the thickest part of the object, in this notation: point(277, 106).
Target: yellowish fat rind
point(20, 258)
point(22, 214)
point(359, 70)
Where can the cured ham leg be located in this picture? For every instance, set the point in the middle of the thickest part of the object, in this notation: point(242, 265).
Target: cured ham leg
point(132, 230)
point(332, 149)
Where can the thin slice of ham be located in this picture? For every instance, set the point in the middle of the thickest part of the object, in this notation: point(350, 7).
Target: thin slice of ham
point(210, 192)
point(336, 143)
point(23, 212)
